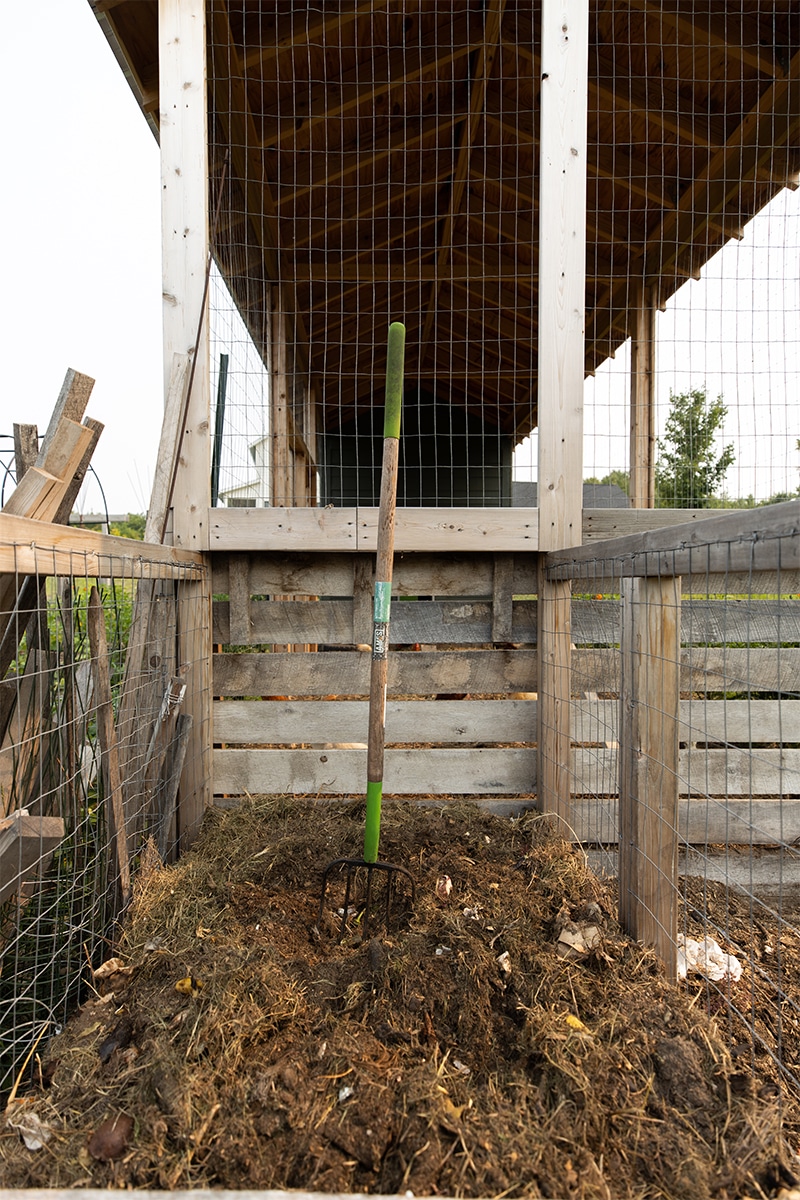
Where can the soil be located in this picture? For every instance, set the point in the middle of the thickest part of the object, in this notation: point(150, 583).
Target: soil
point(237, 1043)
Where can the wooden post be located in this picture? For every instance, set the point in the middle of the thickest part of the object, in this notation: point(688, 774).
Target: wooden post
point(185, 250)
point(281, 487)
point(643, 398)
point(648, 764)
point(107, 736)
point(562, 290)
point(195, 650)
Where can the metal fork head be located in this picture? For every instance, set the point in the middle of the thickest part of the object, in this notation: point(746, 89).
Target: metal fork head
point(351, 867)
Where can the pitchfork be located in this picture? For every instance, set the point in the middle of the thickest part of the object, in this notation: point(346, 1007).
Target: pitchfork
point(380, 651)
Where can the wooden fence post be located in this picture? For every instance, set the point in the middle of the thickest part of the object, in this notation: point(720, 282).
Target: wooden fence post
point(648, 764)
point(562, 299)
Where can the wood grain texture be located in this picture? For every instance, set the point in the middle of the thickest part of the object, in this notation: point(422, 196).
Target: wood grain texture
point(41, 548)
point(183, 126)
point(333, 622)
point(26, 847)
point(744, 540)
point(347, 673)
point(107, 736)
point(735, 723)
point(648, 765)
point(331, 574)
point(418, 721)
point(340, 772)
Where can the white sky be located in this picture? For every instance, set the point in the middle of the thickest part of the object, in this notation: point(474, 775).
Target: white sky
point(82, 258)
point(80, 208)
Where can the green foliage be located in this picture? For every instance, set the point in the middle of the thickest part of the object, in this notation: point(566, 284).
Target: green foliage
point(132, 528)
point(688, 471)
point(620, 478)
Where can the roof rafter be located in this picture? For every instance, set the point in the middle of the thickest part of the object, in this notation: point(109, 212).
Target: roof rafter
point(394, 70)
point(486, 55)
point(237, 120)
point(753, 56)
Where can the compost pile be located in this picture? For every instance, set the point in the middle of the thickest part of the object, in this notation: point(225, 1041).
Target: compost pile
point(502, 1039)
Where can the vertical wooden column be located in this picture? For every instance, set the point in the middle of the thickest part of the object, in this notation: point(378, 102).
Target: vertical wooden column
point(562, 292)
point(642, 407)
point(185, 250)
point(648, 764)
point(281, 487)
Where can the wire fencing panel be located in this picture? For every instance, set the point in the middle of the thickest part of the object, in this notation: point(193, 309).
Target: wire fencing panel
point(693, 271)
point(381, 166)
point(93, 740)
point(685, 766)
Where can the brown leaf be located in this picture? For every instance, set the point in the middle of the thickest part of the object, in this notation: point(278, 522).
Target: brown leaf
point(111, 1139)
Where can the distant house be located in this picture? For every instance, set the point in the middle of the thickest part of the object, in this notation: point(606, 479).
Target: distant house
point(595, 495)
point(254, 493)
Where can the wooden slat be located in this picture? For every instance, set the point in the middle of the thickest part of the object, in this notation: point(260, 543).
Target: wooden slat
point(26, 847)
point(429, 721)
point(38, 548)
point(347, 673)
point(648, 765)
point(473, 622)
point(331, 574)
point(766, 538)
point(735, 822)
point(338, 772)
point(107, 736)
point(504, 771)
point(712, 669)
point(183, 127)
point(332, 529)
point(268, 722)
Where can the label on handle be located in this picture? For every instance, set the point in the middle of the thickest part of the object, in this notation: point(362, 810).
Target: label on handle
point(382, 602)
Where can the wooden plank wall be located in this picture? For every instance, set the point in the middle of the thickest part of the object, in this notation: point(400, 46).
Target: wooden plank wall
point(461, 715)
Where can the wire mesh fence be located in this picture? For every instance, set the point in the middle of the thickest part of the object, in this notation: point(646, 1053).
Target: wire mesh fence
point(375, 163)
point(685, 766)
point(93, 740)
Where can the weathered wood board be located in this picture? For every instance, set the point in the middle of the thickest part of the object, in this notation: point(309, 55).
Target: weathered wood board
point(346, 673)
point(433, 721)
point(469, 622)
point(720, 773)
point(26, 847)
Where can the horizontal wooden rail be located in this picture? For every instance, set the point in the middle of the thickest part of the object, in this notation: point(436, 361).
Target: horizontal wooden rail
point(492, 672)
point(726, 723)
point(418, 529)
point(744, 540)
point(469, 622)
point(29, 547)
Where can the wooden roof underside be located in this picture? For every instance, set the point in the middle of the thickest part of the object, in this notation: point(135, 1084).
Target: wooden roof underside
point(383, 165)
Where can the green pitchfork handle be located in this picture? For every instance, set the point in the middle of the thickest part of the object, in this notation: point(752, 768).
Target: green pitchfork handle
point(383, 589)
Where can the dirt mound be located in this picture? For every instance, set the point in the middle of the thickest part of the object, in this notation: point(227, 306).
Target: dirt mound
point(502, 1039)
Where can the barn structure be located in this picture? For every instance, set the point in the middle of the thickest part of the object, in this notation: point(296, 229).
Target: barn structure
point(524, 185)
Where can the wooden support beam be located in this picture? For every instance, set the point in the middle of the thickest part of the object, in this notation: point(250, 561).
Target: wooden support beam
point(195, 650)
point(562, 288)
point(185, 253)
point(389, 72)
point(38, 548)
point(643, 402)
point(107, 736)
point(493, 19)
point(281, 481)
point(322, 32)
point(648, 764)
point(699, 31)
point(26, 448)
point(26, 847)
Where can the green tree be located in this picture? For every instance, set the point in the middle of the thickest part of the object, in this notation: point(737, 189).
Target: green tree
point(688, 471)
point(620, 478)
